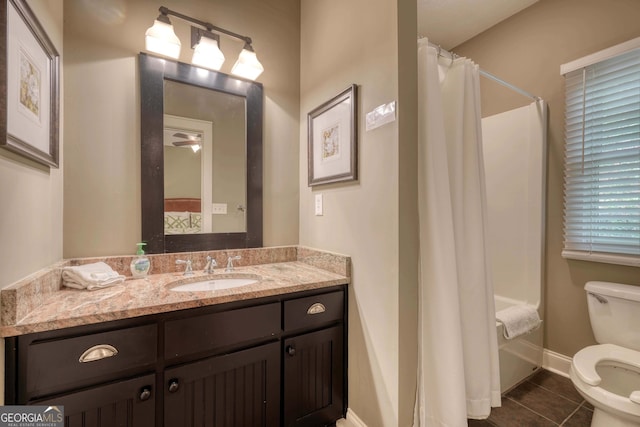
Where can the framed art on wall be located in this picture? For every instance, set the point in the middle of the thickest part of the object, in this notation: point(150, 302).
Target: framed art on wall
point(29, 85)
point(332, 139)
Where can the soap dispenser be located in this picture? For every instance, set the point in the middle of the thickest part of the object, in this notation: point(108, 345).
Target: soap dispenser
point(140, 265)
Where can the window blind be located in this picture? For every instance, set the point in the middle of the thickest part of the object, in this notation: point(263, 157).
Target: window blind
point(602, 161)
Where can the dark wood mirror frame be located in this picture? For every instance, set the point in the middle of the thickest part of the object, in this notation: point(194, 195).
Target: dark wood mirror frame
point(153, 72)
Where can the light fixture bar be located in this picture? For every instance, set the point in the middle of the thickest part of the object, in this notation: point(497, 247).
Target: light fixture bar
point(210, 27)
point(161, 38)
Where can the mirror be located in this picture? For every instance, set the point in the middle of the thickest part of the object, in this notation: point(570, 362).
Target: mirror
point(201, 156)
point(204, 160)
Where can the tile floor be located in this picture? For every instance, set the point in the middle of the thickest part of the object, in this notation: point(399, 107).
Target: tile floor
point(544, 399)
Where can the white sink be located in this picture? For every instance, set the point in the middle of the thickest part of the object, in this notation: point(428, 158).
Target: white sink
point(214, 284)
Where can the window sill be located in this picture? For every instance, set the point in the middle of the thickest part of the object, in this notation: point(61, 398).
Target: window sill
point(629, 260)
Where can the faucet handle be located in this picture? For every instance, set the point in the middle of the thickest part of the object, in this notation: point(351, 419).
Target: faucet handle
point(189, 269)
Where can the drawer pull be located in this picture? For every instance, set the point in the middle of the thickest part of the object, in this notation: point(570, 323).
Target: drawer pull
point(316, 308)
point(98, 352)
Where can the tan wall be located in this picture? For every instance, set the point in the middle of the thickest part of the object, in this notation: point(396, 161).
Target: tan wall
point(31, 194)
point(527, 50)
point(102, 173)
point(358, 42)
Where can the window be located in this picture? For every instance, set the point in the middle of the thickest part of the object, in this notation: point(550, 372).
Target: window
point(602, 157)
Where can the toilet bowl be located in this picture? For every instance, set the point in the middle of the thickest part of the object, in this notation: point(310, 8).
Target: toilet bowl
point(608, 377)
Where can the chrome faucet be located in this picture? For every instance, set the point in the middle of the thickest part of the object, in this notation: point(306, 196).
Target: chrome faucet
point(230, 263)
point(188, 271)
point(211, 264)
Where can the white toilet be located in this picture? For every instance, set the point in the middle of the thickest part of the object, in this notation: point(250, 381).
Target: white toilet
point(608, 375)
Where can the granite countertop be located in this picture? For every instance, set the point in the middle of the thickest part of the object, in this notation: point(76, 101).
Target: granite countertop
point(65, 307)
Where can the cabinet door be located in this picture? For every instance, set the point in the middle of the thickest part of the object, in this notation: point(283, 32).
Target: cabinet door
point(232, 390)
point(129, 403)
point(314, 378)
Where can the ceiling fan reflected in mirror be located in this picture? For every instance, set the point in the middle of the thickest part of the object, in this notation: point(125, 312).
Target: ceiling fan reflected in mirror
point(182, 138)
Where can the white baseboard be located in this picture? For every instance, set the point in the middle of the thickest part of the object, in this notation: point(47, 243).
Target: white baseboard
point(351, 421)
point(556, 362)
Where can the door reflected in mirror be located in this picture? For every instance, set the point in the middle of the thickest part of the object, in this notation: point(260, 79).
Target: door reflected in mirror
point(205, 160)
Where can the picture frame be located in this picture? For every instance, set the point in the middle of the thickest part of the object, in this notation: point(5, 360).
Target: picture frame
point(29, 85)
point(333, 139)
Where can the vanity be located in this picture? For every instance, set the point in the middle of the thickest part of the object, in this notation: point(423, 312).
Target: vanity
point(270, 353)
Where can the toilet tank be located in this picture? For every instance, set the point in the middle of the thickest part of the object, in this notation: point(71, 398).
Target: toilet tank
point(614, 311)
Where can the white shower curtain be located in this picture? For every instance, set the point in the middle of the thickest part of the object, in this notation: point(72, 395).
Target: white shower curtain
point(458, 366)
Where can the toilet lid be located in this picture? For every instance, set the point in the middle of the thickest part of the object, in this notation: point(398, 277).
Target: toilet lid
point(586, 360)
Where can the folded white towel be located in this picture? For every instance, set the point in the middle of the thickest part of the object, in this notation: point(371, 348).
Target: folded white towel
point(97, 275)
point(518, 320)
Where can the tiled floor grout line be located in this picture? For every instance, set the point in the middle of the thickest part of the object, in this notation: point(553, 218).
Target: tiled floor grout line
point(553, 390)
point(571, 414)
point(529, 409)
point(584, 405)
point(558, 394)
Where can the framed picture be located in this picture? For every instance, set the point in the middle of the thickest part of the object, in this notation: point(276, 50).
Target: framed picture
point(29, 85)
point(333, 142)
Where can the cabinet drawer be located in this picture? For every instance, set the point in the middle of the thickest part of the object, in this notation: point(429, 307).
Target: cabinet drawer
point(210, 331)
point(56, 365)
point(313, 311)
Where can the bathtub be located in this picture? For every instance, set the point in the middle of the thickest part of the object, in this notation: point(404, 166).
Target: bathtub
point(519, 357)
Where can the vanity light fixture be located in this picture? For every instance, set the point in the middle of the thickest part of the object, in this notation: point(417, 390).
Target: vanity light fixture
point(206, 50)
point(161, 39)
point(247, 64)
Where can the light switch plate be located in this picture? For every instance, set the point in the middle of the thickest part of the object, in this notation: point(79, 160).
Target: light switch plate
point(219, 208)
point(319, 204)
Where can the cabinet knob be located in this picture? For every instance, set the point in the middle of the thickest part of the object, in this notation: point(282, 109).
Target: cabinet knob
point(174, 385)
point(145, 393)
point(291, 350)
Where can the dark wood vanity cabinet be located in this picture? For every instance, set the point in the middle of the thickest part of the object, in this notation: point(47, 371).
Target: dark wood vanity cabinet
point(268, 362)
point(236, 389)
point(312, 380)
point(232, 387)
point(313, 360)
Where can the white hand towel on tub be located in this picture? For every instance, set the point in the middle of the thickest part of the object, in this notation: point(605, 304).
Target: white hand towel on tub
point(97, 275)
point(518, 320)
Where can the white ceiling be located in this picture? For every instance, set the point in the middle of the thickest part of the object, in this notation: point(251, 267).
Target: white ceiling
point(449, 23)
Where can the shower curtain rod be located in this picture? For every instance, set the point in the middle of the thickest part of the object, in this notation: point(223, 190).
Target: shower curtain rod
point(443, 52)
